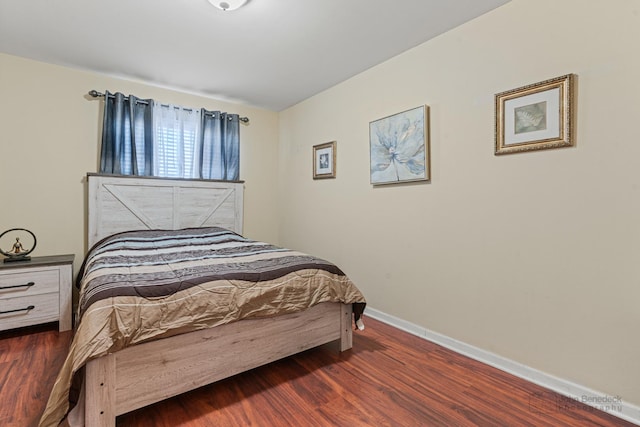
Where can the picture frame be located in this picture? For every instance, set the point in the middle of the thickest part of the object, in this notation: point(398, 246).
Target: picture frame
point(324, 160)
point(399, 147)
point(539, 116)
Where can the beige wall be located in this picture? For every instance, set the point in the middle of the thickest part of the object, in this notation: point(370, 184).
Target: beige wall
point(535, 257)
point(50, 140)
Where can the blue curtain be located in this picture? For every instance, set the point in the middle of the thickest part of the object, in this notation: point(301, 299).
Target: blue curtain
point(127, 135)
point(219, 145)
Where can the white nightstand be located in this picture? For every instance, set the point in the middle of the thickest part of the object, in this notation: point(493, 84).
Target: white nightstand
point(36, 291)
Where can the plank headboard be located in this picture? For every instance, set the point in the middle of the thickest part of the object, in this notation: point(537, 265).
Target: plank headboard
point(123, 203)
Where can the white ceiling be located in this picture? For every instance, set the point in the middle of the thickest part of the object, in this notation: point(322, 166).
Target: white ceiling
point(270, 53)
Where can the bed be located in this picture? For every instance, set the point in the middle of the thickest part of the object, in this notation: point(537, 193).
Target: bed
point(136, 366)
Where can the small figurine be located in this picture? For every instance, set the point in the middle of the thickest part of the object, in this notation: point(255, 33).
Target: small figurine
point(17, 252)
point(17, 247)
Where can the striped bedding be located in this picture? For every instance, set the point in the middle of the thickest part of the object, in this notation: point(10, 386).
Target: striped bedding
point(143, 285)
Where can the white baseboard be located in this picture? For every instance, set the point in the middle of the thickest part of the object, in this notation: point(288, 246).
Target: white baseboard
point(613, 405)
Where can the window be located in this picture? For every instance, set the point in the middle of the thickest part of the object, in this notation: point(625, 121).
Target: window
point(175, 137)
point(168, 140)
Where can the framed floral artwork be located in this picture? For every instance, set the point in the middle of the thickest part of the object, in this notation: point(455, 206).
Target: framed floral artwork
point(399, 147)
point(324, 160)
point(535, 117)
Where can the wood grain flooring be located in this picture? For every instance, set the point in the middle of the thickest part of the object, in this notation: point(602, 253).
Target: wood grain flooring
point(389, 378)
point(29, 361)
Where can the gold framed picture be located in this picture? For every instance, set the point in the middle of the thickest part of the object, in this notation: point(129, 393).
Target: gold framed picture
point(324, 160)
point(535, 117)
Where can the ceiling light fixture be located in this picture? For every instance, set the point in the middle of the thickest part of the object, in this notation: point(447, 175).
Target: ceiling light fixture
point(228, 4)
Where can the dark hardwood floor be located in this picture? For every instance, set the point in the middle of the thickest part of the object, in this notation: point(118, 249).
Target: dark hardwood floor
point(389, 378)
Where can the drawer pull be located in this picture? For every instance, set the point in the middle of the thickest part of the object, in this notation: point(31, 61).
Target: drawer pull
point(26, 285)
point(31, 307)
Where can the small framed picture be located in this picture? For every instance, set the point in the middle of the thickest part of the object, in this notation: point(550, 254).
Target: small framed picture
point(324, 160)
point(535, 117)
point(399, 147)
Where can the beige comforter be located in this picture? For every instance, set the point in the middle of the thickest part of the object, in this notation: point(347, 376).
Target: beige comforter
point(140, 287)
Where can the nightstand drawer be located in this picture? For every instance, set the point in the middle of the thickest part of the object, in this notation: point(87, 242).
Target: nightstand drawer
point(44, 282)
point(19, 282)
point(29, 310)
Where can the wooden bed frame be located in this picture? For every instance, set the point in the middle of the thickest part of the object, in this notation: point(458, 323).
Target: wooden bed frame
point(146, 373)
